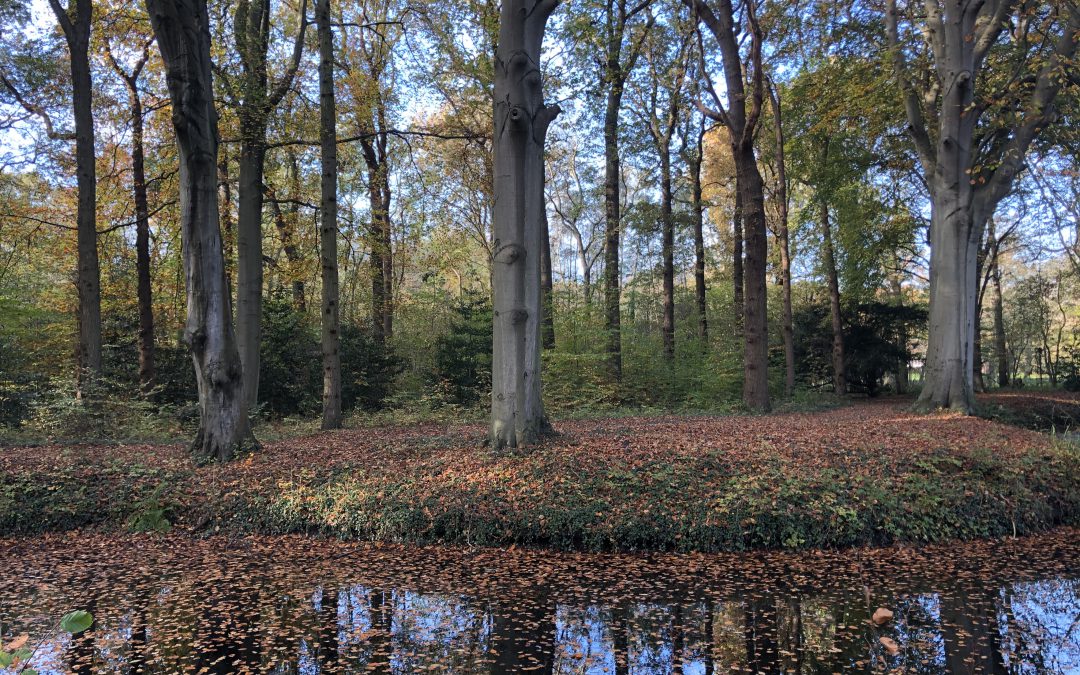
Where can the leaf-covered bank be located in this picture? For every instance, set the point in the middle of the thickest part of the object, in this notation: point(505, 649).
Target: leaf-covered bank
point(870, 473)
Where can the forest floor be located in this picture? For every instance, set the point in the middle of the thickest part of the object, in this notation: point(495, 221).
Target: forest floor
point(868, 473)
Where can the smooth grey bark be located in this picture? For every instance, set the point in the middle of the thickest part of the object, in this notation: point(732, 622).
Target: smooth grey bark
point(741, 121)
point(968, 169)
point(783, 239)
point(144, 291)
point(328, 231)
point(75, 22)
point(521, 120)
point(254, 103)
point(182, 28)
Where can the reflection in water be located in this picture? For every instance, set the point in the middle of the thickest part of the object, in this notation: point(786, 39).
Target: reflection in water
point(294, 605)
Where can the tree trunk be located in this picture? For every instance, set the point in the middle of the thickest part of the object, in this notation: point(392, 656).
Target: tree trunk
point(182, 28)
point(142, 248)
point(547, 285)
point(76, 24)
point(521, 120)
point(950, 350)
point(331, 327)
point(829, 261)
point(249, 255)
point(612, 224)
point(738, 281)
point(667, 224)
point(1000, 346)
point(902, 338)
point(142, 220)
point(755, 307)
point(257, 100)
point(785, 245)
point(381, 262)
point(697, 214)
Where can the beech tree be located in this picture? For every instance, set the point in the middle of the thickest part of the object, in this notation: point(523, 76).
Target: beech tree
point(182, 30)
point(521, 120)
point(979, 82)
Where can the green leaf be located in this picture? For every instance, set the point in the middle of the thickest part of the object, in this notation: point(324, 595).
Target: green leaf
point(76, 622)
point(29, 671)
point(6, 659)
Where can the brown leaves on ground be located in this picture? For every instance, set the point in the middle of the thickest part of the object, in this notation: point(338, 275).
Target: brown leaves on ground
point(872, 472)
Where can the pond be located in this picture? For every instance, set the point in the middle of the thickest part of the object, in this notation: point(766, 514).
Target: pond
point(174, 603)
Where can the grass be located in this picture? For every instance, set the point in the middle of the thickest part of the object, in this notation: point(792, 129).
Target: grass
point(868, 473)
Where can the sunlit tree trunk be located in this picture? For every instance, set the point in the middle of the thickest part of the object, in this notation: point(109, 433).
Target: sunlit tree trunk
point(521, 120)
point(328, 231)
point(182, 28)
point(547, 285)
point(1000, 345)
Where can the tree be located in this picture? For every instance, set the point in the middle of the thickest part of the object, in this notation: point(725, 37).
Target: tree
point(328, 212)
point(75, 22)
point(142, 213)
point(521, 119)
point(182, 29)
point(741, 121)
point(662, 102)
point(974, 104)
point(254, 97)
point(783, 240)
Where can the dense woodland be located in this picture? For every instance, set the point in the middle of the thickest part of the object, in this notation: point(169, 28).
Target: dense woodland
point(692, 205)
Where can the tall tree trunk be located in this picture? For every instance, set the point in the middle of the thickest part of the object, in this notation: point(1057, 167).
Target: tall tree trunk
point(897, 292)
point(547, 285)
point(667, 224)
point(182, 28)
point(1000, 346)
point(837, 319)
point(142, 219)
point(142, 248)
point(755, 308)
point(738, 281)
point(741, 121)
point(381, 261)
point(75, 21)
point(697, 214)
point(257, 100)
point(785, 244)
point(520, 126)
point(328, 232)
point(249, 255)
point(612, 224)
point(229, 230)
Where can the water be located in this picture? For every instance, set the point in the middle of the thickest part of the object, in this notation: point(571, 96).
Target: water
point(295, 605)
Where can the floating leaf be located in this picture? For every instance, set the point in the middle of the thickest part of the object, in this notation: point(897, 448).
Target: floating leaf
point(76, 622)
